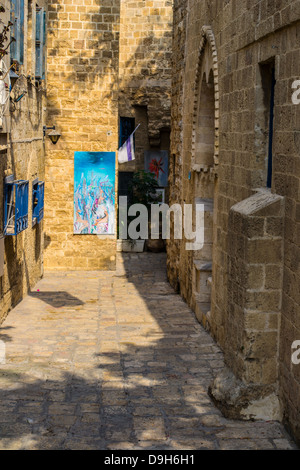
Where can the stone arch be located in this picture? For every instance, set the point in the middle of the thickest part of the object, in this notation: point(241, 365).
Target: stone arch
point(205, 154)
point(204, 181)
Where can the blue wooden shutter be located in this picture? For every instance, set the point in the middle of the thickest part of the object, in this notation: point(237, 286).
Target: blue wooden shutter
point(13, 14)
point(37, 201)
point(21, 31)
point(17, 31)
point(44, 45)
point(41, 190)
point(16, 206)
point(21, 205)
point(9, 209)
point(40, 44)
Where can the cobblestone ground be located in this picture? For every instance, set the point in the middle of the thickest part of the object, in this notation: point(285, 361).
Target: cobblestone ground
point(115, 360)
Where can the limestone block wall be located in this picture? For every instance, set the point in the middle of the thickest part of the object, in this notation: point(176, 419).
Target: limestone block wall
point(145, 68)
point(255, 234)
point(255, 264)
point(22, 154)
point(176, 161)
point(104, 61)
point(82, 102)
point(248, 38)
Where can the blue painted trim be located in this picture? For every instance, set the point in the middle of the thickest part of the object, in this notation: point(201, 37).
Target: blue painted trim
point(271, 130)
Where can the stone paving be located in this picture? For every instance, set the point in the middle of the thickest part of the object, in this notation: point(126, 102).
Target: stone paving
point(115, 360)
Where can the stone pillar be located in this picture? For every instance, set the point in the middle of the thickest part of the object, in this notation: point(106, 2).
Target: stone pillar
point(255, 247)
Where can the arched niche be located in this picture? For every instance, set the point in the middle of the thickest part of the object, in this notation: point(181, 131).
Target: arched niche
point(205, 135)
point(205, 126)
point(205, 157)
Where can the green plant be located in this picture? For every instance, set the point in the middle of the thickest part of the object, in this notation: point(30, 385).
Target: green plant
point(143, 187)
point(141, 191)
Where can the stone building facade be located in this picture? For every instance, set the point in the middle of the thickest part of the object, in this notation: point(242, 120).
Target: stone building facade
point(145, 73)
point(235, 150)
point(107, 61)
point(21, 152)
point(101, 61)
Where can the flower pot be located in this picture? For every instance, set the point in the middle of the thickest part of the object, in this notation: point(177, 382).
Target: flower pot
point(156, 246)
point(130, 246)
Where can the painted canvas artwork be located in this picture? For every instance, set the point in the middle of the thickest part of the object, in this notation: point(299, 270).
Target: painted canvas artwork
point(94, 193)
point(156, 162)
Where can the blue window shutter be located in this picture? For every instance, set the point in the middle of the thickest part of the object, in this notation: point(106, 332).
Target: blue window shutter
point(41, 200)
point(40, 43)
point(21, 31)
point(38, 58)
point(19, 208)
point(44, 44)
point(9, 209)
point(17, 31)
point(13, 15)
point(37, 201)
point(38, 26)
point(21, 205)
point(16, 206)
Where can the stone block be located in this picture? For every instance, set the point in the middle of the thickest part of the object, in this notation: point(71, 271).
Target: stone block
point(260, 345)
point(264, 251)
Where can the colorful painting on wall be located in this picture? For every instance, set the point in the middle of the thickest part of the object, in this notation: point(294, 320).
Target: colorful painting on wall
point(94, 193)
point(156, 162)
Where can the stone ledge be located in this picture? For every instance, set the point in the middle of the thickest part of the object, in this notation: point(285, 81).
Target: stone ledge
point(202, 266)
point(262, 203)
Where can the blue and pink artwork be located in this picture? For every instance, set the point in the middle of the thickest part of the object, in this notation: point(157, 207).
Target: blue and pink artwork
point(94, 193)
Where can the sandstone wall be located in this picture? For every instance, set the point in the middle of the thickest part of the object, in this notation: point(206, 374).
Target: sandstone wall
point(176, 160)
point(104, 61)
point(82, 94)
point(145, 72)
point(248, 37)
point(22, 154)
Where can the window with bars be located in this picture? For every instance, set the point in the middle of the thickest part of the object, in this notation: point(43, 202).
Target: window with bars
point(17, 31)
point(40, 43)
point(15, 206)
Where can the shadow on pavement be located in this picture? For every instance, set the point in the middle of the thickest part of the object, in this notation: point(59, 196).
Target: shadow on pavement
point(130, 371)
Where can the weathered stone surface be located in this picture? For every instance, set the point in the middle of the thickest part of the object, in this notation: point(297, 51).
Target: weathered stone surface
point(105, 61)
point(226, 48)
point(22, 155)
point(115, 360)
point(238, 400)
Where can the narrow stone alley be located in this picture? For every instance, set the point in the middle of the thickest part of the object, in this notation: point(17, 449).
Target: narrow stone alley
point(115, 360)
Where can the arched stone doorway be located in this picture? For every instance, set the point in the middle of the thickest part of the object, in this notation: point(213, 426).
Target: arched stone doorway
point(205, 153)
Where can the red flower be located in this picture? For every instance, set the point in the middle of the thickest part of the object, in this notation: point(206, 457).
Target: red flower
point(156, 166)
